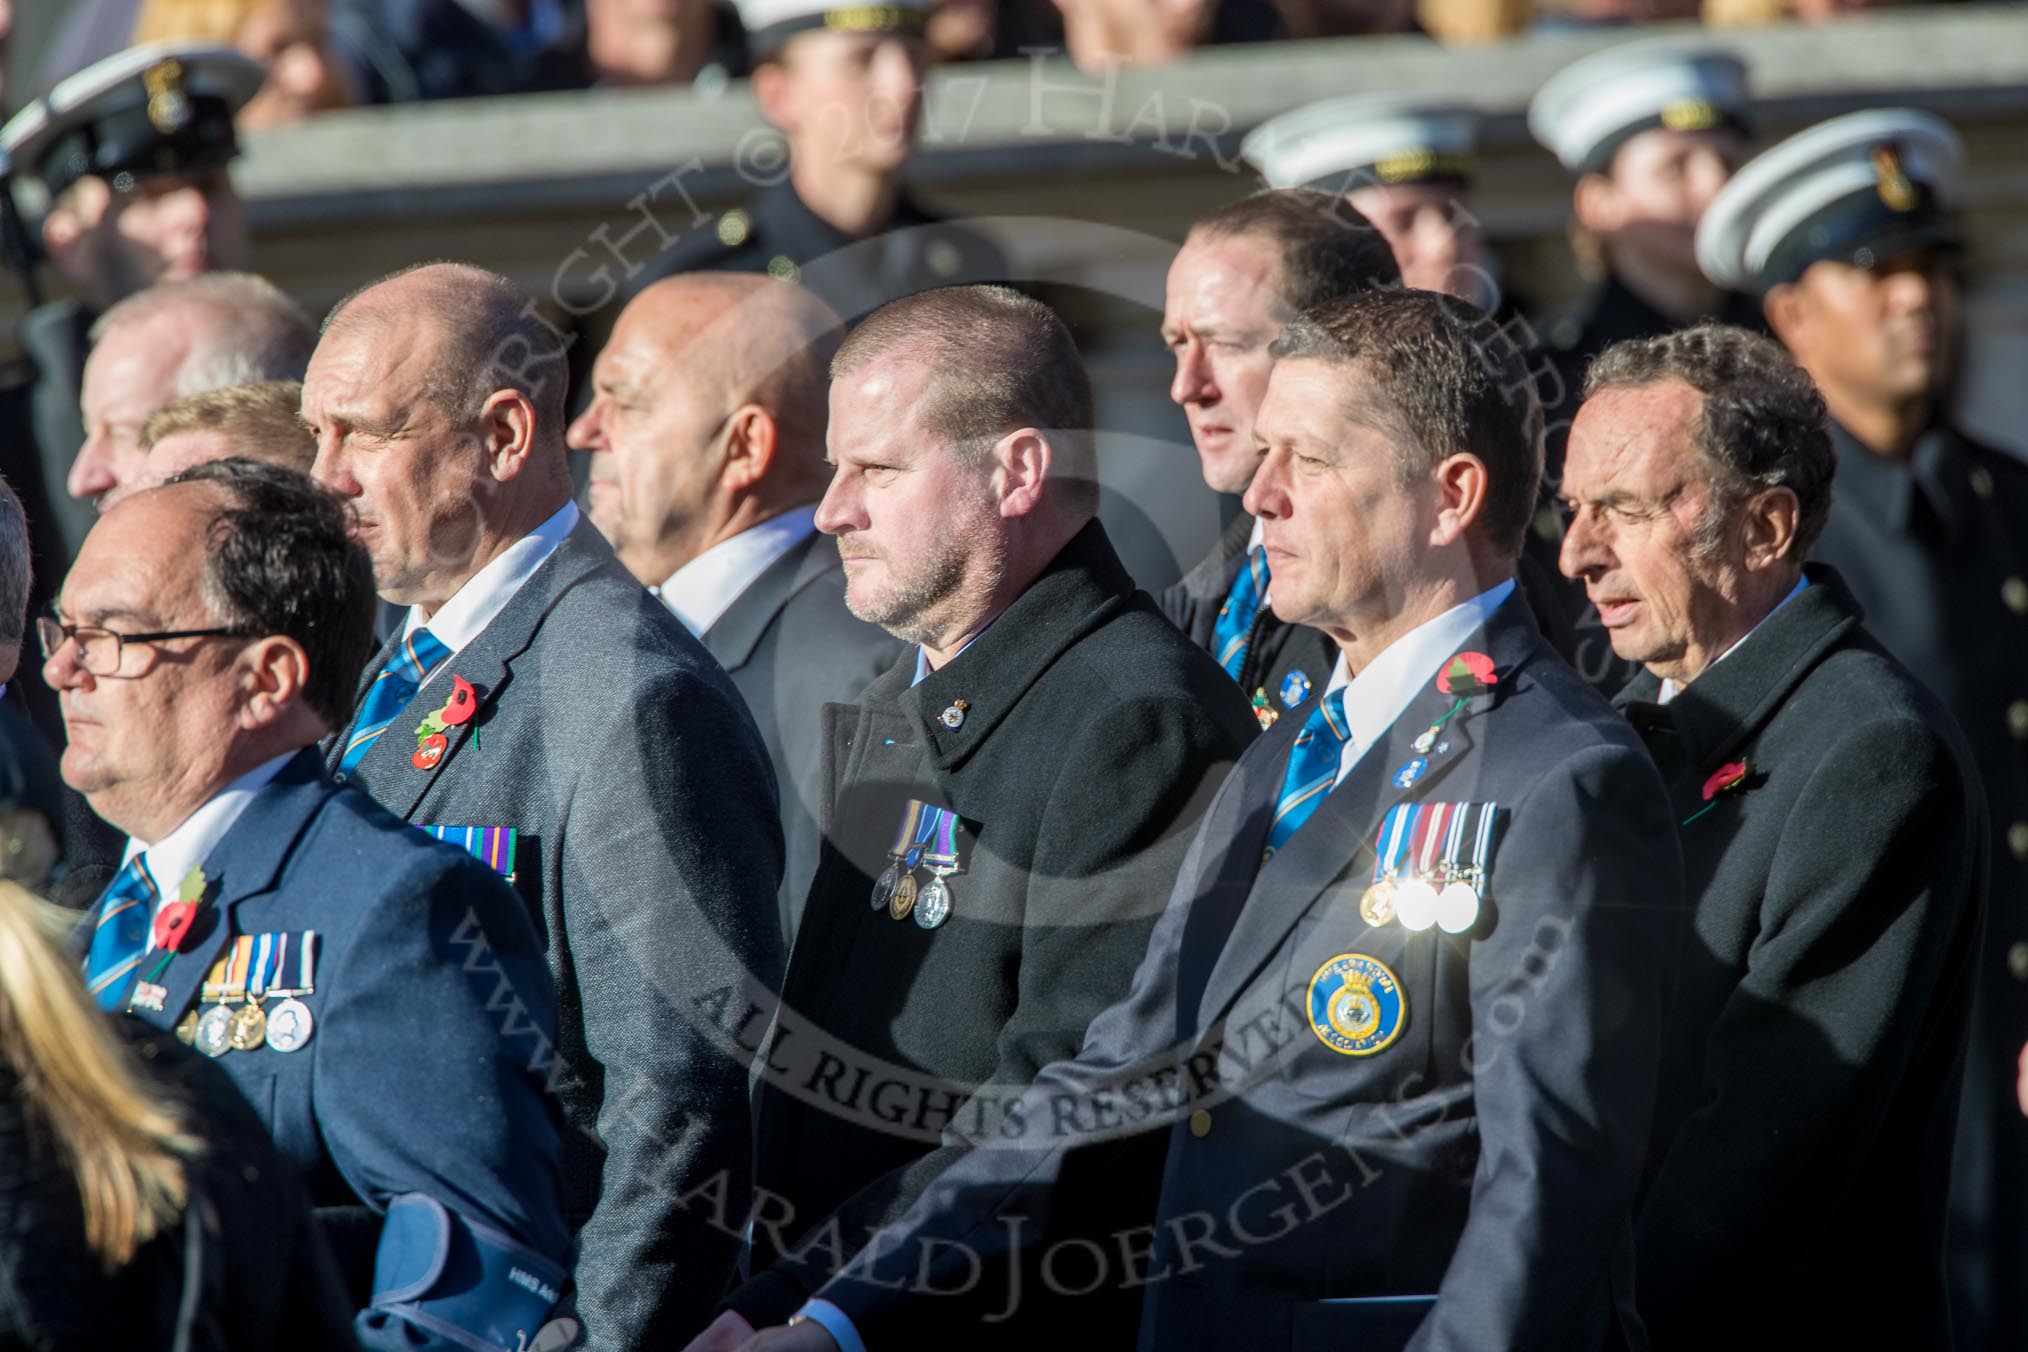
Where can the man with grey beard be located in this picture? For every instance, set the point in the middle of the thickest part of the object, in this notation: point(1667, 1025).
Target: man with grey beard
point(1008, 804)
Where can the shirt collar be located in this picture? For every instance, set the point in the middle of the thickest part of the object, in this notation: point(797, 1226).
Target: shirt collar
point(486, 593)
point(702, 590)
point(1670, 689)
point(922, 666)
point(170, 859)
point(1379, 695)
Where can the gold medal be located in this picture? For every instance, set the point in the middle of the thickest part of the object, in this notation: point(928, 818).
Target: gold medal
point(186, 1028)
point(903, 900)
point(1376, 907)
point(249, 1027)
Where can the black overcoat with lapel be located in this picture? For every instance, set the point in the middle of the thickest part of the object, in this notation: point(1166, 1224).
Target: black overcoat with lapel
point(649, 854)
point(791, 647)
point(430, 1008)
point(1092, 735)
point(1467, 1184)
point(1820, 1006)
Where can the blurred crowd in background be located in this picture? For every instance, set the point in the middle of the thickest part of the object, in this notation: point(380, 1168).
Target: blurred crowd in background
point(324, 54)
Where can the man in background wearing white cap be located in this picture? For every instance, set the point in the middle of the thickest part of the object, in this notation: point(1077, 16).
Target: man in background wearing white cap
point(844, 85)
point(1404, 163)
point(131, 154)
point(1651, 132)
point(1843, 231)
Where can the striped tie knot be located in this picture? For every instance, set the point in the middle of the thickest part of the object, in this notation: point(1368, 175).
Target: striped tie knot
point(415, 657)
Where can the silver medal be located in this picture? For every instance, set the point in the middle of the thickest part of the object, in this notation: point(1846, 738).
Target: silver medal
point(933, 905)
point(1457, 907)
point(1415, 904)
point(883, 887)
point(214, 1031)
point(290, 1025)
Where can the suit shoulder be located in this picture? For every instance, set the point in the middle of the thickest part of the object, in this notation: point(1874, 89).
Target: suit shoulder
point(1139, 657)
point(728, 242)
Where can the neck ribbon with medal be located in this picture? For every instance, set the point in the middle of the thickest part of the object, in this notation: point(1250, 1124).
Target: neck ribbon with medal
point(279, 966)
point(1432, 859)
point(926, 838)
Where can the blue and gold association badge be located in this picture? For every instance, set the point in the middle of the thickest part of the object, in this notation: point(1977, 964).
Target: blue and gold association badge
point(1356, 1005)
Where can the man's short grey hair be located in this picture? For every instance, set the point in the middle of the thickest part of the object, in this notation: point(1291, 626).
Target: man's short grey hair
point(243, 329)
point(15, 570)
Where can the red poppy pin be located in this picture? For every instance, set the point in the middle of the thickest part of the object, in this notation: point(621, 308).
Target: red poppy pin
point(1727, 779)
point(1732, 778)
point(175, 918)
point(1467, 674)
point(431, 740)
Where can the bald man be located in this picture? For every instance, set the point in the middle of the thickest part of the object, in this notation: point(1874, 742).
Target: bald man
point(540, 709)
point(706, 431)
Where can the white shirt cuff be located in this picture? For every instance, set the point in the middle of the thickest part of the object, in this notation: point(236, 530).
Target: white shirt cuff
point(835, 1323)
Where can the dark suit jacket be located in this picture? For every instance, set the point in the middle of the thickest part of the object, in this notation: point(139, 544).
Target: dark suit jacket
point(418, 1076)
point(1466, 1186)
point(1277, 649)
point(242, 1269)
point(1820, 1008)
point(649, 855)
point(791, 647)
point(1092, 735)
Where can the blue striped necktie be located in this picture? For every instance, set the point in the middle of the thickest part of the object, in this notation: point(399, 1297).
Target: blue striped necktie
point(1235, 618)
point(1313, 767)
point(121, 938)
point(418, 655)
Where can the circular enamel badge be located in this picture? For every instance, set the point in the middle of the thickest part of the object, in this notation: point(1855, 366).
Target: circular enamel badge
point(1356, 1005)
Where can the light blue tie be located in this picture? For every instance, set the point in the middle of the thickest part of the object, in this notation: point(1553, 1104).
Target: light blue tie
point(121, 937)
point(1313, 767)
point(1235, 618)
point(419, 654)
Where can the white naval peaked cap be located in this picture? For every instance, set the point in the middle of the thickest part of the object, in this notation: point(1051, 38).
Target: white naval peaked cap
point(1365, 139)
point(769, 23)
point(162, 107)
point(1858, 189)
point(1587, 110)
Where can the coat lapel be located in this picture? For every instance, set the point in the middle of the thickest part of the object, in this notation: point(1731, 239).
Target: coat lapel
point(486, 662)
point(244, 864)
point(1339, 839)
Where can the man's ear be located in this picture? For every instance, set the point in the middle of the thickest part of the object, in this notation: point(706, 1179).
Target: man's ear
point(1768, 527)
point(1461, 482)
point(1597, 204)
point(1785, 312)
point(272, 673)
point(1021, 465)
point(506, 432)
point(771, 94)
point(750, 442)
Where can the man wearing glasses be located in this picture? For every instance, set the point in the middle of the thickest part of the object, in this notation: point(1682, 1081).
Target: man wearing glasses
point(206, 638)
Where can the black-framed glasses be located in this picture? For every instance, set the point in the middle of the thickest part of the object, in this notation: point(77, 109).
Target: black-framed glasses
point(100, 650)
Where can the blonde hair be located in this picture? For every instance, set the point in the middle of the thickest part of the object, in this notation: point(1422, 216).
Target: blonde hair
point(261, 421)
point(123, 1145)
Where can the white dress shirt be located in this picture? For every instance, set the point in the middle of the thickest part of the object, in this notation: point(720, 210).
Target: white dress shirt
point(1670, 689)
point(1383, 691)
point(702, 590)
point(170, 859)
point(486, 593)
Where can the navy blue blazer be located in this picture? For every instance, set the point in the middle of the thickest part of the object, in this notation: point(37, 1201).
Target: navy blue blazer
point(1457, 1176)
point(430, 1006)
